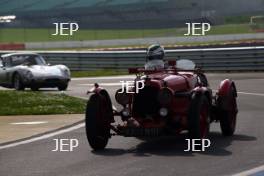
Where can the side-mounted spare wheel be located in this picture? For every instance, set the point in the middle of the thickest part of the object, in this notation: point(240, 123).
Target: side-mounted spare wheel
point(198, 116)
point(99, 115)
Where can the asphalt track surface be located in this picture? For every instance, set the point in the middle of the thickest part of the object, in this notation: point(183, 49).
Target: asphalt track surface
point(156, 156)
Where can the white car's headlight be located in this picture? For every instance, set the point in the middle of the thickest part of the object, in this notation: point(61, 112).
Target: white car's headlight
point(66, 72)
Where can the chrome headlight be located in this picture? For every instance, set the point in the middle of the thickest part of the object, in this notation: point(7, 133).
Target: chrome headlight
point(122, 97)
point(165, 96)
point(66, 72)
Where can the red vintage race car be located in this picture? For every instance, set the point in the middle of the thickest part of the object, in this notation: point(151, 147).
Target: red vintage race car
point(171, 101)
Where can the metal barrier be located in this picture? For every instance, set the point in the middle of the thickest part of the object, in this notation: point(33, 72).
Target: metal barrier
point(212, 59)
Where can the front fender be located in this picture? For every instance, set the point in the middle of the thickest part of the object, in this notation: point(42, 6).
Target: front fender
point(226, 91)
point(225, 87)
point(106, 102)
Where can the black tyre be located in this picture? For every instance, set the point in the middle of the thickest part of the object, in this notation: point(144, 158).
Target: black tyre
point(198, 117)
point(109, 106)
point(34, 88)
point(228, 117)
point(17, 82)
point(98, 121)
point(62, 87)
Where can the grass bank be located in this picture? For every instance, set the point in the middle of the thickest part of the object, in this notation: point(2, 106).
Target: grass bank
point(38, 103)
point(41, 34)
point(78, 74)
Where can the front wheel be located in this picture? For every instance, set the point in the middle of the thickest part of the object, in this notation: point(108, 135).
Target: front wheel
point(62, 87)
point(98, 121)
point(198, 117)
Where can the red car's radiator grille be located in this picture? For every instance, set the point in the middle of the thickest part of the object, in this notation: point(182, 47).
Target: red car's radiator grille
point(145, 103)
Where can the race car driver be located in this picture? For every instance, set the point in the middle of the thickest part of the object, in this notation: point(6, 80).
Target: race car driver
point(155, 57)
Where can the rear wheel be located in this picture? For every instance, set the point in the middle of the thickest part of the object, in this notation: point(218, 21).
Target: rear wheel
point(229, 115)
point(98, 121)
point(17, 82)
point(198, 117)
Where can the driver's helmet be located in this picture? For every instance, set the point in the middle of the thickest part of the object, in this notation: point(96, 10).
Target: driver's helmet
point(155, 56)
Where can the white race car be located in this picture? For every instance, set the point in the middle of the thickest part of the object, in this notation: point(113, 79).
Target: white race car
point(30, 70)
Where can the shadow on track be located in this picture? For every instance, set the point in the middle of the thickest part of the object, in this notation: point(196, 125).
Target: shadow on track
point(43, 90)
point(175, 146)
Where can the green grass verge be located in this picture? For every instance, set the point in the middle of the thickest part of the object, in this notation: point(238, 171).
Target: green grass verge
point(78, 74)
point(237, 19)
point(144, 47)
point(40, 35)
point(38, 103)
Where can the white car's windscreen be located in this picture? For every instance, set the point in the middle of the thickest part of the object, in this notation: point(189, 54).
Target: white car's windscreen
point(27, 60)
